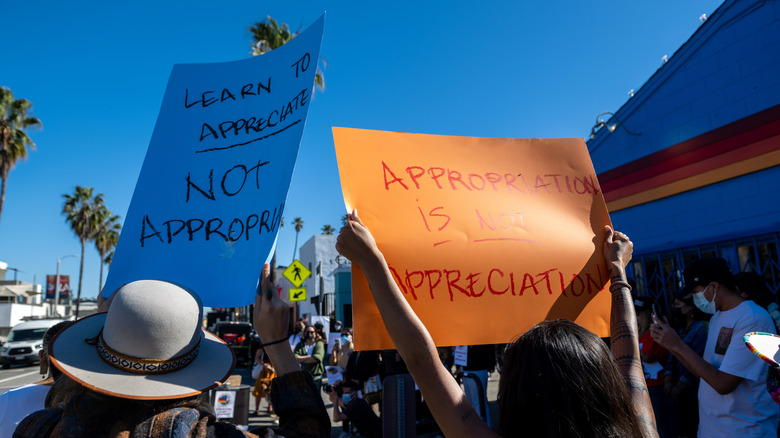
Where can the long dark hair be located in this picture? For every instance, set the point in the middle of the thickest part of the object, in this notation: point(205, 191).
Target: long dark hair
point(559, 380)
point(102, 415)
point(47, 337)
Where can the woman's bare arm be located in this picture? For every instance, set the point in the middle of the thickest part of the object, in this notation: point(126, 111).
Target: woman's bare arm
point(447, 402)
point(623, 329)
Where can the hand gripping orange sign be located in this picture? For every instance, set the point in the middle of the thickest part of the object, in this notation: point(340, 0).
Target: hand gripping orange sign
point(484, 236)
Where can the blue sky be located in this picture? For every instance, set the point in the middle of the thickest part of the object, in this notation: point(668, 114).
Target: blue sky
point(96, 73)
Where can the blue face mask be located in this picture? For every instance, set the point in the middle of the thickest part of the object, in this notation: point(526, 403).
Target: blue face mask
point(345, 340)
point(346, 398)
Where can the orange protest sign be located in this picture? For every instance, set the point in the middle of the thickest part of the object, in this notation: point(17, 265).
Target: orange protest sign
point(484, 236)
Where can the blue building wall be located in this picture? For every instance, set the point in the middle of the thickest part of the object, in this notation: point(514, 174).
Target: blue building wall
point(343, 277)
point(737, 207)
point(727, 71)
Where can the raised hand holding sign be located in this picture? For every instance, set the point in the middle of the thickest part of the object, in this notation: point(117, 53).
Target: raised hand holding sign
point(484, 236)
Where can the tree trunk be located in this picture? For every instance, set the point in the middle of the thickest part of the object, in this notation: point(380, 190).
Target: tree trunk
point(2, 196)
point(5, 171)
point(100, 285)
point(81, 274)
point(296, 246)
point(4, 177)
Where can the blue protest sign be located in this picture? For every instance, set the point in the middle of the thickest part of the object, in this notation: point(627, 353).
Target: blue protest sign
point(210, 197)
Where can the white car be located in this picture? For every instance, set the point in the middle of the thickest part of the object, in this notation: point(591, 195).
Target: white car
point(24, 342)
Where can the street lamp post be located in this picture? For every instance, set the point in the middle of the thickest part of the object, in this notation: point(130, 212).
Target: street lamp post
point(57, 283)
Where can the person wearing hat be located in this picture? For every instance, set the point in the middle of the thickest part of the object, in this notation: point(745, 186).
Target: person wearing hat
point(732, 398)
point(139, 370)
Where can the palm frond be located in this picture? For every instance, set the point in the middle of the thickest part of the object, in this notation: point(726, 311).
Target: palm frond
point(268, 35)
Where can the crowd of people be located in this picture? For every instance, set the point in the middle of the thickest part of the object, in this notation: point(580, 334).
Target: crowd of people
point(707, 364)
point(141, 368)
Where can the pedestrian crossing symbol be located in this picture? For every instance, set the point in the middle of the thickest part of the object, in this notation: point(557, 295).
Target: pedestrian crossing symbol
point(296, 273)
point(298, 294)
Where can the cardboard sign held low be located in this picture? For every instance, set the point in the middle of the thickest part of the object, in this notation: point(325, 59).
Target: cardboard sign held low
point(484, 236)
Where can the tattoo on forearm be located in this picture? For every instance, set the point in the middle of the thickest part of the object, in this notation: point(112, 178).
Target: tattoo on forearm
point(635, 385)
point(649, 425)
point(622, 299)
point(623, 330)
point(467, 415)
point(626, 359)
point(627, 362)
point(621, 336)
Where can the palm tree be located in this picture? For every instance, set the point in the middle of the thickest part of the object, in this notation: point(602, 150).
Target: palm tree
point(268, 35)
point(109, 258)
point(81, 210)
point(298, 224)
point(14, 141)
point(344, 220)
point(328, 230)
point(106, 237)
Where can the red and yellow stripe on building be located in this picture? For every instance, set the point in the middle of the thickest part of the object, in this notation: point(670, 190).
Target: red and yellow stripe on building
point(739, 148)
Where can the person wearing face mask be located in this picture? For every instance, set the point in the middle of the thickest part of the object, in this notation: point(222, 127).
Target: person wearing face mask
point(339, 357)
point(350, 407)
point(310, 352)
point(342, 349)
point(732, 398)
point(681, 385)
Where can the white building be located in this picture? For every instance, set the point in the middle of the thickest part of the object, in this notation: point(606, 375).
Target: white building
point(20, 300)
point(319, 255)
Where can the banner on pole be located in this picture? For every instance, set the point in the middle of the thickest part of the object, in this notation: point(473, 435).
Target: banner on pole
point(64, 287)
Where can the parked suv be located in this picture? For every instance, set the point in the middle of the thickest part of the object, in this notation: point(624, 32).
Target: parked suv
point(24, 342)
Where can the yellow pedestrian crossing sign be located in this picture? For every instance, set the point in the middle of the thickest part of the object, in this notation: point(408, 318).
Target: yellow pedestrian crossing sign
point(298, 294)
point(296, 273)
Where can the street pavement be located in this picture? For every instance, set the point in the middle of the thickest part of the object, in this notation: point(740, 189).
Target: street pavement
point(18, 376)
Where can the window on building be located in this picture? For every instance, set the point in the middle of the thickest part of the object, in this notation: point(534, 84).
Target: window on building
point(659, 275)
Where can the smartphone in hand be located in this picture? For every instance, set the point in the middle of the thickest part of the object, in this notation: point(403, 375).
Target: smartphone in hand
point(656, 312)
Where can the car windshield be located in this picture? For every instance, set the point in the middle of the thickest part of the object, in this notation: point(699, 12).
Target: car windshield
point(235, 329)
point(27, 335)
point(235, 334)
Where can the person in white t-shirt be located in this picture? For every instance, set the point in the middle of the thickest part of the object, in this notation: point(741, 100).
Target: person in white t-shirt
point(733, 401)
point(17, 403)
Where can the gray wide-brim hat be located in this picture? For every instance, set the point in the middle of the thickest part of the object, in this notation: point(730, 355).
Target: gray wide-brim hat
point(148, 346)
